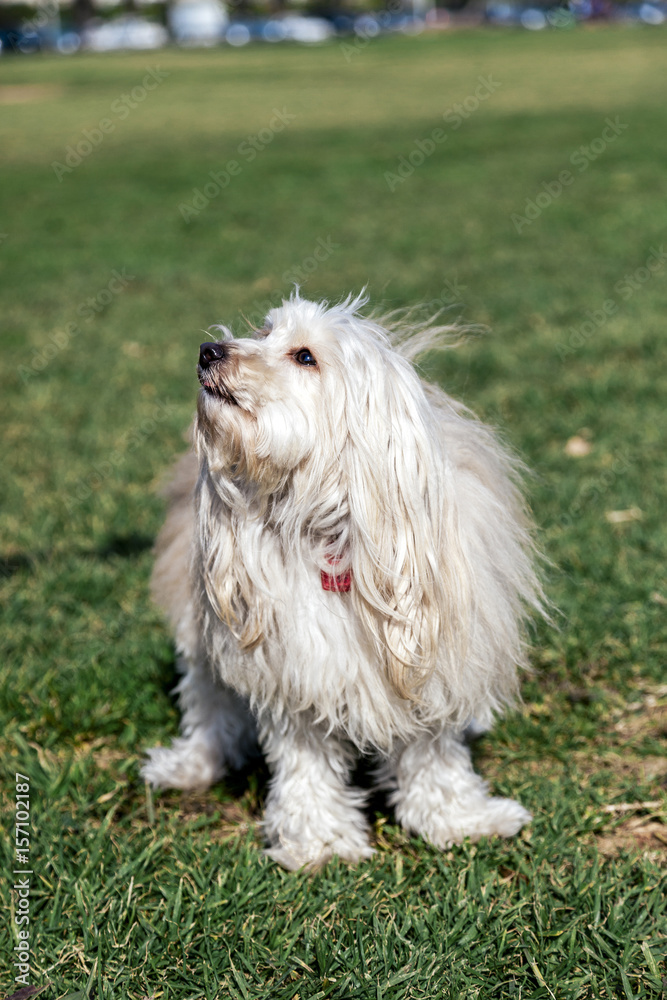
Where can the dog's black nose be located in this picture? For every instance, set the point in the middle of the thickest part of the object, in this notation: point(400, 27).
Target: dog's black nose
point(208, 353)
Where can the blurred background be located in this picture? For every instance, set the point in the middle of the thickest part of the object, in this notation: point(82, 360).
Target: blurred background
point(171, 166)
point(66, 26)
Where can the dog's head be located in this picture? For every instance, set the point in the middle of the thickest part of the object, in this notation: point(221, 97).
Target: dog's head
point(314, 383)
point(265, 407)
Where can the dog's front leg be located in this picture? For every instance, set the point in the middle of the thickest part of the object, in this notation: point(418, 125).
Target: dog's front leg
point(311, 811)
point(218, 732)
point(438, 795)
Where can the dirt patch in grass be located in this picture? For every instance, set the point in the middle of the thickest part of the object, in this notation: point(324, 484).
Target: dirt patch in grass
point(650, 769)
point(640, 834)
point(25, 93)
point(645, 718)
point(234, 818)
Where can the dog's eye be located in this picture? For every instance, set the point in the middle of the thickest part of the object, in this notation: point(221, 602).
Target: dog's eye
point(304, 357)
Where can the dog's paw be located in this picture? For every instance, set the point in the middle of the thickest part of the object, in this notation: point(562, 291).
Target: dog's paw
point(504, 817)
point(484, 817)
point(313, 856)
point(187, 765)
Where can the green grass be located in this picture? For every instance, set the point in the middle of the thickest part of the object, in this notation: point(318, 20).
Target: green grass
point(173, 898)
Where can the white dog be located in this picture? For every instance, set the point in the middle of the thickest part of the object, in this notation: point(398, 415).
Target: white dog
point(347, 564)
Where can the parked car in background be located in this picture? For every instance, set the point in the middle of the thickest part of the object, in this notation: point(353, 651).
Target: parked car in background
point(197, 22)
point(128, 32)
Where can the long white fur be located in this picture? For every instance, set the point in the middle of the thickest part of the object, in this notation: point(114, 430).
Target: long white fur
point(359, 461)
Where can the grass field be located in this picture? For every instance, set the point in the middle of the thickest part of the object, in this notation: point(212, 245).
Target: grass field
point(110, 269)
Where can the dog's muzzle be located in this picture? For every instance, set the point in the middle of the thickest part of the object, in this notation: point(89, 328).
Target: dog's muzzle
point(209, 353)
point(211, 369)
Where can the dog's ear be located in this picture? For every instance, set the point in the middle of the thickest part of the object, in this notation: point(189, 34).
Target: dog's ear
point(409, 594)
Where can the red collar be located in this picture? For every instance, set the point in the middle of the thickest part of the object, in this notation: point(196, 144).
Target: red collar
point(340, 584)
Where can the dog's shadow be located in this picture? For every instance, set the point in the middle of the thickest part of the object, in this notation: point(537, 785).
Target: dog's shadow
point(126, 546)
point(245, 790)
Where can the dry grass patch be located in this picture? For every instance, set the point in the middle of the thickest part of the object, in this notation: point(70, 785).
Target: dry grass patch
point(25, 93)
point(638, 835)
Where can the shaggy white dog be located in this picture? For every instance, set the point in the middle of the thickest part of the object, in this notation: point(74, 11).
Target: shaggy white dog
point(347, 564)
